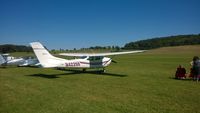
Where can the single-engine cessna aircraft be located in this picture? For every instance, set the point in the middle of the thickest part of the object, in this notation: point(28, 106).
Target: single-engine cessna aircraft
point(84, 62)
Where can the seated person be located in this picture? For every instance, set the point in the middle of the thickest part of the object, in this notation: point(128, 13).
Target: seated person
point(180, 72)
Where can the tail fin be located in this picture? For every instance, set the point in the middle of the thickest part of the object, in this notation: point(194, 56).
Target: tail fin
point(44, 57)
point(2, 60)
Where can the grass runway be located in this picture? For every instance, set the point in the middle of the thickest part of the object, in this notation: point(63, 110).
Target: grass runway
point(138, 83)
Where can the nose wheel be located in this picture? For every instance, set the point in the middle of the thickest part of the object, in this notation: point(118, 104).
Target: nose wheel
point(104, 70)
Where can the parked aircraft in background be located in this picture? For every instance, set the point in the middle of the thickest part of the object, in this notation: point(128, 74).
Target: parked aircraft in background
point(86, 61)
point(6, 59)
point(2, 60)
point(30, 62)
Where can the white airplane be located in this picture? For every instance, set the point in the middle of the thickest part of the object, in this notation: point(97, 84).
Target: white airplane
point(30, 62)
point(6, 59)
point(86, 60)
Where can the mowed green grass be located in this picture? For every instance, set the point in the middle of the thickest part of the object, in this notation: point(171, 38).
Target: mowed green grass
point(138, 83)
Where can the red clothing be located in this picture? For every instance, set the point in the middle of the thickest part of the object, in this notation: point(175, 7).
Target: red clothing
point(180, 72)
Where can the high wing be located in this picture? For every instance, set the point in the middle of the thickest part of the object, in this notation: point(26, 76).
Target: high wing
point(100, 54)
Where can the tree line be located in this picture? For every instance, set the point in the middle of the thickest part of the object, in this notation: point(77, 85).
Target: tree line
point(90, 49)
point(142, 44)
point(164, 42)
point(9, 48)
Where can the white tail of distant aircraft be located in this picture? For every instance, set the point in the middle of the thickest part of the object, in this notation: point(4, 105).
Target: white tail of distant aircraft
point(2, 60)
point(86, 61)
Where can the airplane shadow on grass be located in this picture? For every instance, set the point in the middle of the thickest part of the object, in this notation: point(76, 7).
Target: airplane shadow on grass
point(75, 72)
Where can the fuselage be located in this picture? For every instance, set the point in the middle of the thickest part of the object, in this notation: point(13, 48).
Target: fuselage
point(88, 62)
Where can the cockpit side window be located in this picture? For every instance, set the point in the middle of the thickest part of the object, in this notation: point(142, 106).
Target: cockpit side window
point(91, 58)
point(98, 58)
point(95, 58)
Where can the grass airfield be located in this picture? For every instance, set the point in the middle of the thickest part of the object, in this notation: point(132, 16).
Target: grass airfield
point(138, 83)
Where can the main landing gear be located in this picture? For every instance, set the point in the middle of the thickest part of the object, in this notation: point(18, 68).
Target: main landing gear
point(103, 70)
point(84, 70)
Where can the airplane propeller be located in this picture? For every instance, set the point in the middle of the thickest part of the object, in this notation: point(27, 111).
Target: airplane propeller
point(114, 61)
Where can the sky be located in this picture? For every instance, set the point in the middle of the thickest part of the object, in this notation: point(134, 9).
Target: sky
point(69, 24)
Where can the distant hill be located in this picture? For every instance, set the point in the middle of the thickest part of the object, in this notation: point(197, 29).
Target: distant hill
point(164, 42)
point(9, 48)
point(143, 44)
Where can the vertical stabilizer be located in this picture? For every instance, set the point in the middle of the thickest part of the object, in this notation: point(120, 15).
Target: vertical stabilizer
point(44, 57)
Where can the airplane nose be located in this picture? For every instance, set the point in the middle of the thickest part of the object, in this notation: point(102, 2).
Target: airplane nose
point(107, 61)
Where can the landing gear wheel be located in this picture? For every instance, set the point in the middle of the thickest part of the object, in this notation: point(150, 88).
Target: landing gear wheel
point(104, 70)
point(84, 70)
